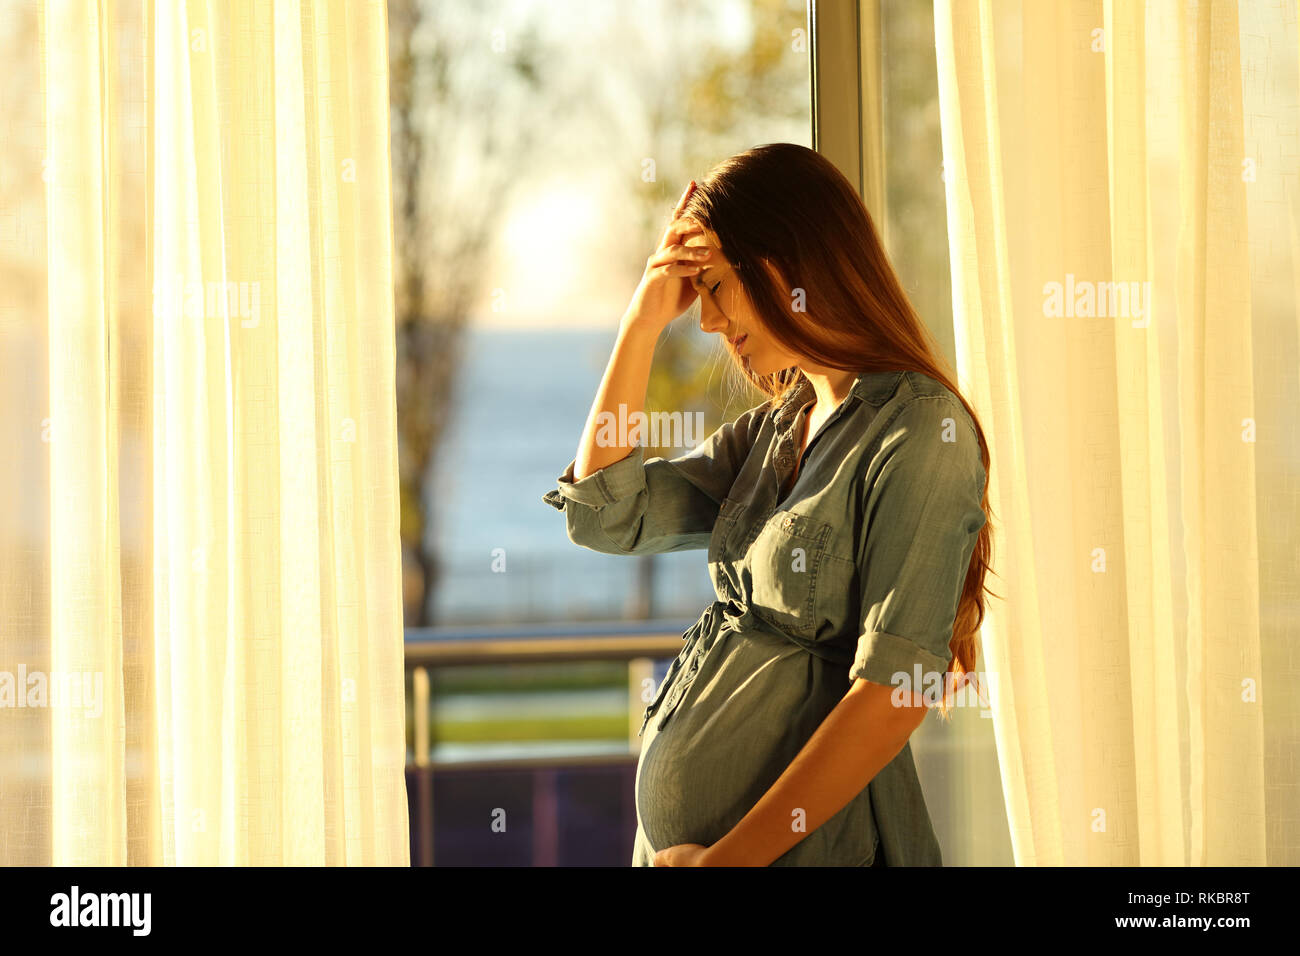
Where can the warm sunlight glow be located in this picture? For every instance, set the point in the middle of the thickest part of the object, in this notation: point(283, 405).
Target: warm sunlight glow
point(549, 257)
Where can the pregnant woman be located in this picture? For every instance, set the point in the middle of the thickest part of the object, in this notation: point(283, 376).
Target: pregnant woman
point(845, 522)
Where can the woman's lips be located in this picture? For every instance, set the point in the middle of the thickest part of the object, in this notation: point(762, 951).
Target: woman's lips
point(737, 343)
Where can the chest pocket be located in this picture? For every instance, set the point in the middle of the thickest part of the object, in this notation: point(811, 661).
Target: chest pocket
point(785, 559)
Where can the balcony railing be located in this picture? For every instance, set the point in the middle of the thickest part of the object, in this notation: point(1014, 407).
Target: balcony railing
point(639, 644)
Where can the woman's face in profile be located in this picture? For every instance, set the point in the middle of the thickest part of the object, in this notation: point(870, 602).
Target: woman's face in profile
point(725, 309)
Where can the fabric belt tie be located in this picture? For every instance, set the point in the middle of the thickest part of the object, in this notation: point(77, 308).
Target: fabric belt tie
point(700, 636)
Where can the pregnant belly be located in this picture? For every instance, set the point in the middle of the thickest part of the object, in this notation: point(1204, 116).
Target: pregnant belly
point(749, 711)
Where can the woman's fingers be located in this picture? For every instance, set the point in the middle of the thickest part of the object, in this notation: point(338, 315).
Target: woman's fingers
point(677, 230)
point(685, 198)
point(678, 226)
point(679, 252)
point(681, 269)
point(697, 240)
point(681, 203)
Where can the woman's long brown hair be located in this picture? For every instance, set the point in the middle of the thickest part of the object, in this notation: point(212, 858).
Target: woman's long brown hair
point(787, 219)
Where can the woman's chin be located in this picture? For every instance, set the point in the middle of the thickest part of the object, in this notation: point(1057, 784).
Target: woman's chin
point(760, 365)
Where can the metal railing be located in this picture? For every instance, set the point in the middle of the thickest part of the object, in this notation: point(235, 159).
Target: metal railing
point(639, 643)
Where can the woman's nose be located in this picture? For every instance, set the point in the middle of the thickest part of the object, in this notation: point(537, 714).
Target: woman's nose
point(711, 320)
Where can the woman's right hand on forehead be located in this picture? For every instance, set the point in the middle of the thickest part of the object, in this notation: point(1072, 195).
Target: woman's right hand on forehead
point(666, 290)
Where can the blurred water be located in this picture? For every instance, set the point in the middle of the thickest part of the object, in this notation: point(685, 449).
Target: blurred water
point(522, 400)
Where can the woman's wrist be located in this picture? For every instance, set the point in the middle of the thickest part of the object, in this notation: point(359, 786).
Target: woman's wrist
point(635, 325)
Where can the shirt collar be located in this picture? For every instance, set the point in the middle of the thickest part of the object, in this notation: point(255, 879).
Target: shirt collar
point(873, 388)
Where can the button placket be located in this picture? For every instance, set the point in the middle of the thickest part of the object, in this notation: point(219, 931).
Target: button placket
point(728, 517)
point(664, 687)
point(679, 689)
point(676, 682)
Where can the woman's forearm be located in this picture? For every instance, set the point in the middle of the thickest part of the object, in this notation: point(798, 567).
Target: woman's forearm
point(627, 376)
point(854, 743)
point(664, 292)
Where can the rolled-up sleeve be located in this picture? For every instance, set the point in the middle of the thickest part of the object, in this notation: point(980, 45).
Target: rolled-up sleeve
point(634, 506)
point(923, 515)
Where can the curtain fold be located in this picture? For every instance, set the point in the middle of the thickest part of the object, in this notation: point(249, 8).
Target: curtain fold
point(1121, 211)
point(202, 519)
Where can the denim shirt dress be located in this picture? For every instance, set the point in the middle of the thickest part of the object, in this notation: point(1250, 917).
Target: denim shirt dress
point(855, 573)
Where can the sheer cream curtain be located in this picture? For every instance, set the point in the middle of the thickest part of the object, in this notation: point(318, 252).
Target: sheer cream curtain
point(1145, 467)
point(199, 562)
